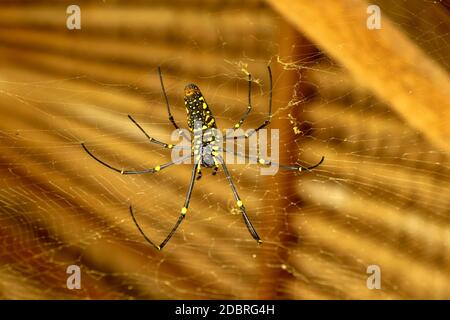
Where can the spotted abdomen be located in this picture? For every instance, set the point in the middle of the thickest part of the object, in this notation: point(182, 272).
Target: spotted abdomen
point(197, 109)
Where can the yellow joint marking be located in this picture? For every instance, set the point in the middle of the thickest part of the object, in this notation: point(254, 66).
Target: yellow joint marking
point(157, 168)
point(183, 210)
point(170, 146)
point(239, 203)
point(259, 241)
point(237, 125)
point(300, 169)
point(204, 105)
point(121, 171)
point(246, 135)
point(262, 161)
point(158, 247)
point(201, 99)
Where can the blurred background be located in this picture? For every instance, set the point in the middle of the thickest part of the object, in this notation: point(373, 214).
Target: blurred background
point(375, 103)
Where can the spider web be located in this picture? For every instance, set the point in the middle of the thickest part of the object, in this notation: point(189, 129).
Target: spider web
point(381, 197)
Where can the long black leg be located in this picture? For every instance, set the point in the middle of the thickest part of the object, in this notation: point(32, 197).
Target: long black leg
point(180, 218)
point(249, 105)
point(291, 167)
point(171, 118)
point(281, 166)
point(151, 170)
point(153, 140)
point(269, 116)
point(239, 203)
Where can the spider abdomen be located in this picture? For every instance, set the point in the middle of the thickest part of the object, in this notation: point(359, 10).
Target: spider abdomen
point(202, 123)
point(198, 113)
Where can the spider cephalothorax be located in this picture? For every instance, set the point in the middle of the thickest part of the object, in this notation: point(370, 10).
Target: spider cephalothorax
point(204, 150)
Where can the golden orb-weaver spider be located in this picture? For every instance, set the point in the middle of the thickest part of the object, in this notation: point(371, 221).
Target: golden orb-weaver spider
point(204, 151)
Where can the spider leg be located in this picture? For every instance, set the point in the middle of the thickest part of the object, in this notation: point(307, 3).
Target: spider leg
point(153, 140)
point(249, 106)
point(264, 162)
point(239, 203)
point(289, 167)
point(180, 218)
point(199, 171)
point(171, 118)
point(269, 116)
point(151, 170)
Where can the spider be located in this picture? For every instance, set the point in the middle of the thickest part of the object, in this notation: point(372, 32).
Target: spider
point(204, 151)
